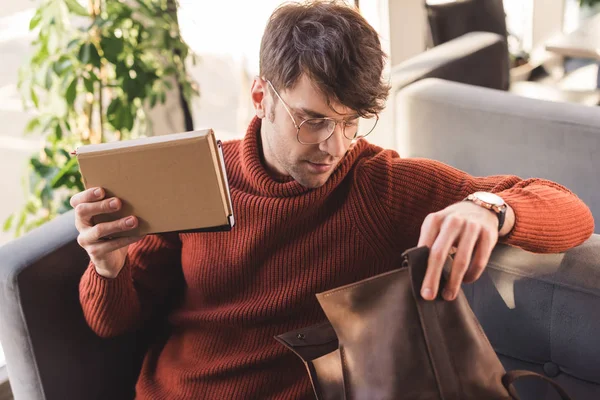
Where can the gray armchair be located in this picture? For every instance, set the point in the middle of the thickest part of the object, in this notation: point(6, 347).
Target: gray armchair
point(50, 351)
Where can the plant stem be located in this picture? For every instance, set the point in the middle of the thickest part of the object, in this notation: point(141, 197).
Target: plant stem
point(100, 81)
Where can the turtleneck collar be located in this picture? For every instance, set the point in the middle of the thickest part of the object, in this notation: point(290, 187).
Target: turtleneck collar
point(256, 174)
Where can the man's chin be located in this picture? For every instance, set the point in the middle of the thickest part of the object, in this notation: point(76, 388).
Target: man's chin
point(312, 182)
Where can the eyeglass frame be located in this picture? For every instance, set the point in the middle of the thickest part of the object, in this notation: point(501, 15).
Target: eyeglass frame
point(335, 121)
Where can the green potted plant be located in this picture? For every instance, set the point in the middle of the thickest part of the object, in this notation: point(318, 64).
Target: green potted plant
point(93, 73)
point(587, 8)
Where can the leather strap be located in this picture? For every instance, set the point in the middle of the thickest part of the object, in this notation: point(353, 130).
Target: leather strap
point(433, 333)
point(512, 376)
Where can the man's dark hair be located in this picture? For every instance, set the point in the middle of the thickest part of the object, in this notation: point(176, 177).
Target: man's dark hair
point(333, 45)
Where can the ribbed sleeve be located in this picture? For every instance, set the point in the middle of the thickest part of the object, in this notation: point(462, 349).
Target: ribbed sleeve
point(549, 218)
point(110, 306)
point(151, 273)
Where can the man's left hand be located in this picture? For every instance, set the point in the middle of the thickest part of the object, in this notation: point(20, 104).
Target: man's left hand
point(470, 229)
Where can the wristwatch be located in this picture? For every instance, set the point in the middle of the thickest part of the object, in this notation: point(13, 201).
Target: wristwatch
point(492, 202)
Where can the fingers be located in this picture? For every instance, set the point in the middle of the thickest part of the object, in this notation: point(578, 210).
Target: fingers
point(87, 196)
point(94, 234)
point(450, 230)
point(481, 256)
point(462, 259)
point(430, 229)
point(99, 249)
point(84, 212)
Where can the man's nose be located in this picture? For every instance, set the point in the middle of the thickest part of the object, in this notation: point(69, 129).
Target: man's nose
point(336, 145)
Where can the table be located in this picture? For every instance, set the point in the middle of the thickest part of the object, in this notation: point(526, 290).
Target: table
point(584, 42)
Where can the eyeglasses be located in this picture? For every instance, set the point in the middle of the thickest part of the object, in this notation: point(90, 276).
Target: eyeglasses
point(317, 130)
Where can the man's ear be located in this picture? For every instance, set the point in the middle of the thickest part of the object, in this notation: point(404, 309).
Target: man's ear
point(258, 93)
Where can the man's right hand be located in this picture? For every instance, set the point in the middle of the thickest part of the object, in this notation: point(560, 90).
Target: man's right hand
point(108, 255)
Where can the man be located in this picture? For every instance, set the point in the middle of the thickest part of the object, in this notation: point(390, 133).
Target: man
point(316, 208)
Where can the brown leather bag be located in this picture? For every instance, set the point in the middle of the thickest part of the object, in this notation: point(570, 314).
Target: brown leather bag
point(384, 341)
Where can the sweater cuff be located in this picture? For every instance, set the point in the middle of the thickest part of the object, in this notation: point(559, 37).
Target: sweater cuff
point(99, 289)
point(124, 275)
point(539, 229)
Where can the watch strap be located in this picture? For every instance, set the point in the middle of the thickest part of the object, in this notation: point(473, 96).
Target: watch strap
point(499, 211)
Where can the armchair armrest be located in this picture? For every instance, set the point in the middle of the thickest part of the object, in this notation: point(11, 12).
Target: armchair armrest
point(541, 310)
point(51, 353)
point(477, 58)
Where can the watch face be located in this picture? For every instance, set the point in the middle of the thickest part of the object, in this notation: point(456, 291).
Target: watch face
point(489, 198)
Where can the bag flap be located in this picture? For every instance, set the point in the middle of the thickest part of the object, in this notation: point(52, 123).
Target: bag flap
point(311, 342)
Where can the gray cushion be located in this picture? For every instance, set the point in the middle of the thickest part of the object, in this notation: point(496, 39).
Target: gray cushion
point(488, 132)
point(540, 312)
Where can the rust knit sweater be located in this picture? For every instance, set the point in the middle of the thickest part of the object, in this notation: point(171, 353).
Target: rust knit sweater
point(238, 289)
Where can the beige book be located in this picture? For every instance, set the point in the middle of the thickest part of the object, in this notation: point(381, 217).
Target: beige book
point(171, 183)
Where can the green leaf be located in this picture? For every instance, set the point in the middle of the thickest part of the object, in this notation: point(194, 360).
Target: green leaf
point(62, 181)
point(112, 48)
point(133, 87)
point(34, 98)
point(48, 78)
point(52, 121)
point(89, 85)
point(32, 125)
point(58, 134)
point(39, 168)
point(113, 113)
point(21, 223)
point(121, 118)
point(163, 97)
point(46, 196)
point(128, 118)
point(49, 152)
point(60, 178)
point(77, 8)
point(71, 92)
point(35, 20)
point(79, 184)
point(153, 99)
point(65, 153)
point(31, 207)
point(114, 106)
point(62, 65)
point(42, 54)
point(84, 53)
point(94, 56)
point(8, 222)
